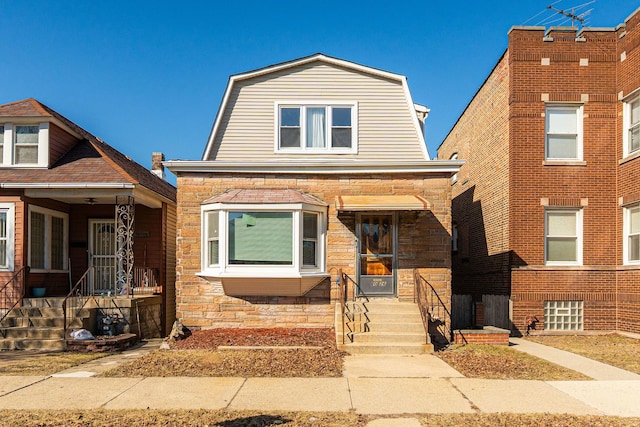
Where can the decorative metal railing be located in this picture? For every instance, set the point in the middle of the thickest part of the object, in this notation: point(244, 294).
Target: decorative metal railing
point(12, 292)
point(145, 281)
point(435, 314)
point(354, 313)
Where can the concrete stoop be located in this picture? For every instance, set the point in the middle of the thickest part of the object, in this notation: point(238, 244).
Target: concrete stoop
point(388, 327)
point(37, 325)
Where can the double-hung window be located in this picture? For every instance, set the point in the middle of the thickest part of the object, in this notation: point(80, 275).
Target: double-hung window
point(48, 232)
point(563, 237)
point(631, 120)
point(632, 234)
point(316, 127)
point(25, 147)
point(6, 236)
point(255, 240)
point(563, 133)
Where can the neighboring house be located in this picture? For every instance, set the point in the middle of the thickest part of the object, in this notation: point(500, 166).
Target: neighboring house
point(313, 167)
point(546, 208)
point(71, 204)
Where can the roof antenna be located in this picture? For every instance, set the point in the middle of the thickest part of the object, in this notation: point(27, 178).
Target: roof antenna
point(572, 15)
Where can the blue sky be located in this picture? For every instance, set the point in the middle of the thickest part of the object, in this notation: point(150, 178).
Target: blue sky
point(149, 75)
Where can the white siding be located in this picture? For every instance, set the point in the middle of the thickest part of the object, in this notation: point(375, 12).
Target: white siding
point(386, 129)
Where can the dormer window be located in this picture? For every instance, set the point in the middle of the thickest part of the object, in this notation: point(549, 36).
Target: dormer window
point(24, 144)
point(314, 127)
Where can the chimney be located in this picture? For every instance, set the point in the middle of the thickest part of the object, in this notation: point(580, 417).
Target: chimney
point(156, 165)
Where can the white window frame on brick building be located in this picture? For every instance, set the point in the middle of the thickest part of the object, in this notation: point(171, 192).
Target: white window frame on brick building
point(563, 130)
point(563, 315)
point(307, 242)
point(631, 125)
point(631, 238)
point(558, 233)
point(20, 137)
point(48, 239)
point(317, 126)
point(7, 236)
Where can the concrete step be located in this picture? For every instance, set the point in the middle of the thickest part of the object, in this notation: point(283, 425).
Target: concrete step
point(32, 344)
point(43, 302)
point(395, 327)
point(377, 317)
point(39, 322)
point(397, 307)
point(36, 312)
point(32, 333)
point(372, 348)
point(390, 338)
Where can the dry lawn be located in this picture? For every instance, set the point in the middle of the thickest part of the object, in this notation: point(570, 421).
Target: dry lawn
point(502, 362)
point(223, 418)
point(612, 349)
point(198, 355)
point(20, 363)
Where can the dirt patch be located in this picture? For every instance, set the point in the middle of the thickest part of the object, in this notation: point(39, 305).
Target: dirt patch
point(500, 362)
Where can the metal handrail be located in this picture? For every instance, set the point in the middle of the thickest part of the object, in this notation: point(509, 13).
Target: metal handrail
point(77, 298)
point(348, 316)
point(145, 280)
point(12, 296)
point(432, 308)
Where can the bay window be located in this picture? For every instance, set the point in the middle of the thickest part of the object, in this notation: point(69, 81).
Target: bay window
point(48, 232)
point(262, 240)
point(563, 132)
point(563, 237)
point(316, 127)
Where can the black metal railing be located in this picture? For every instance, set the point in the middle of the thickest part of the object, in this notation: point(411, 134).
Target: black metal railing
point(436, 317)
point(13, 292)
point(354, 315)
point(78, 298)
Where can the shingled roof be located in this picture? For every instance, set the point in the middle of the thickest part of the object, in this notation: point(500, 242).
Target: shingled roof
point(90, 161)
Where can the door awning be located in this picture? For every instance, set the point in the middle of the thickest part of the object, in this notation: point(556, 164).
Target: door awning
point(382, 203)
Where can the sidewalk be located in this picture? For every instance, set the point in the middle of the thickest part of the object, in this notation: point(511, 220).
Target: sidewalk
point(389, 385)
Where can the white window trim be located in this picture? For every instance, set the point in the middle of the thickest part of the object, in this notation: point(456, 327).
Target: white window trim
point(626, 123)
point(579, 237)
point(579, 140)
point(625, 237)
point(9, 145)
point(454, 177)
point(312, 150)
point(9, 208)
point(296, 269)
point(48, 213)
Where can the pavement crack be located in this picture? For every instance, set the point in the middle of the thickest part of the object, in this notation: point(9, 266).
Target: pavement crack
point(471, 404)
point(121, 393)
point(350, 396)
point(244, 381)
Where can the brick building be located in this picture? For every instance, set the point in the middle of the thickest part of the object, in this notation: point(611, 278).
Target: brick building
point(546, 209)
point(314, 167)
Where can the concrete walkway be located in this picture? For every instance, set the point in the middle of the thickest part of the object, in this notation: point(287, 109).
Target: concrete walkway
point(385, 385)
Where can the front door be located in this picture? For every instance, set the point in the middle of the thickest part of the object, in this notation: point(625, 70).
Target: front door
point(102, 254)
point(376, 253)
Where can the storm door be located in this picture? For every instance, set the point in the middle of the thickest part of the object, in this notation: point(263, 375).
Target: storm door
point(102, 255)
point(376, 254)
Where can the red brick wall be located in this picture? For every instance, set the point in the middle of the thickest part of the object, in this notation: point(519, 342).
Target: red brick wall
point(479, 206)
point(424, 243)
point(598, 70)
